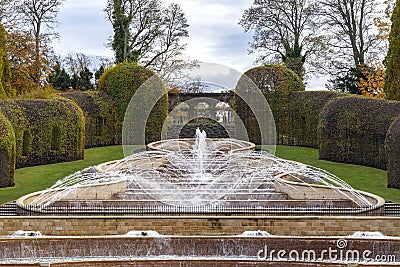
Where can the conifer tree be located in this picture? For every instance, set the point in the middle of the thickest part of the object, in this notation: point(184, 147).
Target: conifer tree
point(5, 71)
point(392, 81)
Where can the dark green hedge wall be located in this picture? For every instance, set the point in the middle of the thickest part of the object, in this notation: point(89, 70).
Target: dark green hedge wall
point(100, 117)
point(7, 152)
point(353, 130)
point(304, 109)
point(276, 82)
point(393, 154)
point(212, 128)
point(47, 131)
point(122, 82)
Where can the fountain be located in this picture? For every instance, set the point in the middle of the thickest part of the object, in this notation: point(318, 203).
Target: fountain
point(208, 179)
point(201, 176)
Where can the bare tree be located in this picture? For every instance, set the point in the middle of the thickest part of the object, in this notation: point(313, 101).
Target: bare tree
point(77, 63)
point(149, 34)
point(284, 30)
point(353, 38)
point(40, 18)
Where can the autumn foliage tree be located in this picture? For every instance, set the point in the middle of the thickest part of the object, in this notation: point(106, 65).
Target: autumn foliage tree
point(372, 81)
point(24, 68)
point(30, 26)
point(40, 18)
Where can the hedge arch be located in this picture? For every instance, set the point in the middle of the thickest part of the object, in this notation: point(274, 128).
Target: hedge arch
point(47, 131)
point(121, 82)
point(7, 152)
point(100, 117)
point(276, 82)
point(304, 109)
point(353, 130)
point(393, 154)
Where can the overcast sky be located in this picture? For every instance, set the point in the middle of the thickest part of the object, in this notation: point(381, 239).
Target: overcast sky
point(214, 33)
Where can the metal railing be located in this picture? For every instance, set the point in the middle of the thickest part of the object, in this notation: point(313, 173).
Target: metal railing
point(11, 209)
point(167, 210)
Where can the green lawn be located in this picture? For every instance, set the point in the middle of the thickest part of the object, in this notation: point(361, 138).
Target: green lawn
point(359, 177)
point(32, 179)
point(37, 178)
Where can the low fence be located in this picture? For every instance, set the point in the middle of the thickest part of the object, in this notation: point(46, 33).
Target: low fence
point(165, 210)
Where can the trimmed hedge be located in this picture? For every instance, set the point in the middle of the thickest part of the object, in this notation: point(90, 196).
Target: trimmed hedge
point(304, 109)
point(276, 82)
point(121, 82)
point(100, 117)
point(47, 131)
point(393, 154)
point(212, 128)
point(353, 130)
point(7, 152)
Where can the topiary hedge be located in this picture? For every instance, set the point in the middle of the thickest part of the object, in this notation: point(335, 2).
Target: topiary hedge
point(47, 131)
point(393, 154)
point(122, 82)
point(276, 82)
point(100, 117)
point(7, 152)
point(304, 109)
point(353, 130)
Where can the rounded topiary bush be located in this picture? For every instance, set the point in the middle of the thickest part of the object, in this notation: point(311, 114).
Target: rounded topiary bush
point(276, 82)
point(353, 130)
point(272, 79)
point(393, 154)
point(122, 82)
point(7, 152)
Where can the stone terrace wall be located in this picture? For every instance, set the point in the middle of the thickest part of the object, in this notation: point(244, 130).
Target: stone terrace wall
point(200, 225)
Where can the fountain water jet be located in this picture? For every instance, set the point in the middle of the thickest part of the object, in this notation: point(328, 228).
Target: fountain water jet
point(200, 151)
